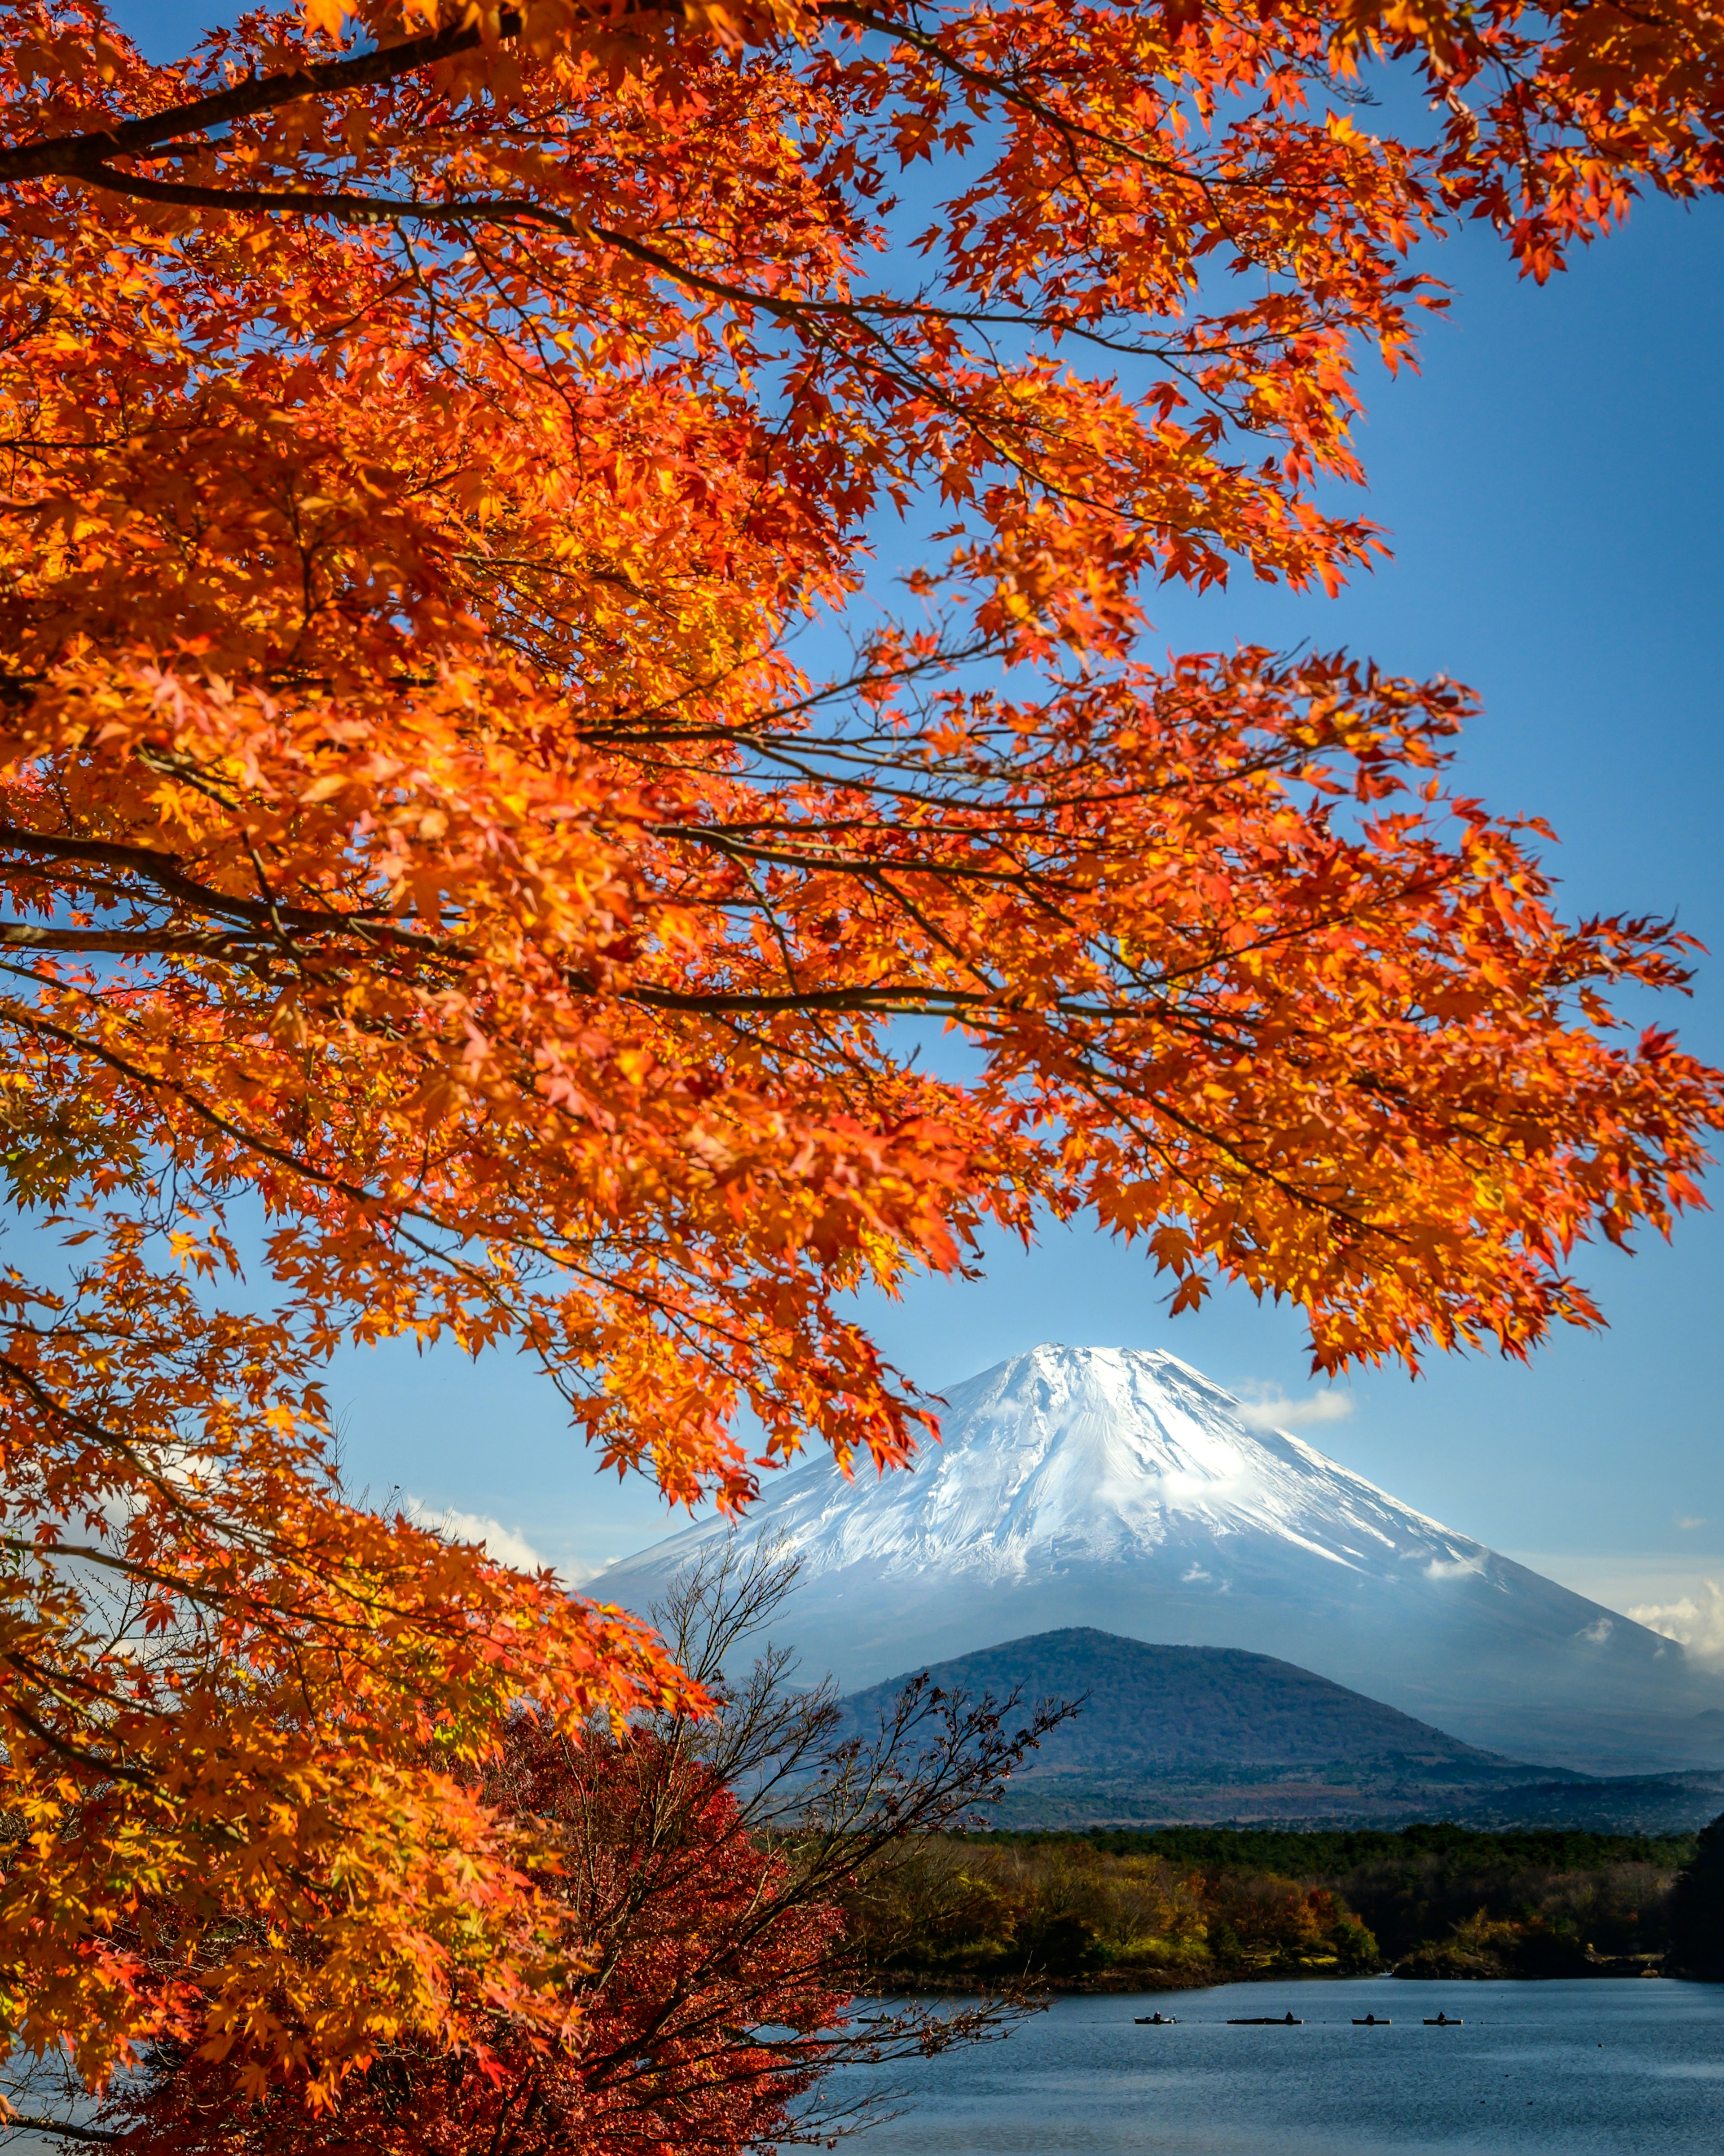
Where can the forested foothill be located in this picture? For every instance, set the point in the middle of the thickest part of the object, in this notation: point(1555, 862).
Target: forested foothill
point(1121, 1910)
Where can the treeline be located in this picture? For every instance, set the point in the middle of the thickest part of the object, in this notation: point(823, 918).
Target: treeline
point(1002, 1911)
point(1191, 1906)
point(1446, 1901)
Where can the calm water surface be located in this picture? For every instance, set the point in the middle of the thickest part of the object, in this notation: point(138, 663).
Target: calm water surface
point(1594, 2067)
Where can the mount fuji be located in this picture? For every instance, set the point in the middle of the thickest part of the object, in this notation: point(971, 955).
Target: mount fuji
point(1121, 1489)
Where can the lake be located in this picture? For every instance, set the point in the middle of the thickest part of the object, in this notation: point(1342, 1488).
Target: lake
point(1599, 2066)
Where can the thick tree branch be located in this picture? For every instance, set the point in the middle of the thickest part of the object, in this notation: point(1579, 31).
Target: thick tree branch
point(15, 2120)
point(123, 943)
point(351, 209)
point(164, 871)
point(70, 156)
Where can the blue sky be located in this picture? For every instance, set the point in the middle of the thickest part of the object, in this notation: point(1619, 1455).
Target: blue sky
point(1552, 482)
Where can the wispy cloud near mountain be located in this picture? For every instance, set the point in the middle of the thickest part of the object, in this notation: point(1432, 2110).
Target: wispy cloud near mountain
point(1266, 1407)
point(1697, 1620)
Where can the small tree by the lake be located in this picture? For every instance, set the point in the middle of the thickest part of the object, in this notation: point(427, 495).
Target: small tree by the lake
point(1697, 1909)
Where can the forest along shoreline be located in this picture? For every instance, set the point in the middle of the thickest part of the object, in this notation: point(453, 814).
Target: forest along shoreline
point(1181, 1908)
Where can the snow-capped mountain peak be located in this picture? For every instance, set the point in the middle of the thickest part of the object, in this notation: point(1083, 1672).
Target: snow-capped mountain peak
point(1120, 1488)
point(1068, 1454)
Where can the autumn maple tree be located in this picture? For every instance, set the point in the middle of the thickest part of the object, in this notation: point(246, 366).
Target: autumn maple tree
point(710, 1874)
point(476, 829)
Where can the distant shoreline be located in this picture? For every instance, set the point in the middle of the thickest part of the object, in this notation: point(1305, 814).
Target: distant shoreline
point(1187, 1909)
point(1145, 1982)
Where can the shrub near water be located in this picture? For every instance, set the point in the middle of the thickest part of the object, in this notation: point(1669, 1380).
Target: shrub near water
point(1697, 1913)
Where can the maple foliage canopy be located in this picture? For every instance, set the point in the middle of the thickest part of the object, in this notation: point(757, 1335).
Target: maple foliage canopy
point(446, 860)
point(700, 1944)
point(716, 1878)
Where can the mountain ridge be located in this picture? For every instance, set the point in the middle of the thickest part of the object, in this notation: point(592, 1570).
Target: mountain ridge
point(1157, 1706)
point(1186, 1735)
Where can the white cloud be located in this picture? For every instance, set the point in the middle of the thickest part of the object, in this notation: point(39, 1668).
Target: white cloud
point(1599, 1631)
point(507, 1545)
point(1688, 1525)
point(1267, 1407)
point(1695, 1619)
point(1456, 1567)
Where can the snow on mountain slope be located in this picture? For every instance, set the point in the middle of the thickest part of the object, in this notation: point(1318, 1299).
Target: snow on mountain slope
point(1119, 1488)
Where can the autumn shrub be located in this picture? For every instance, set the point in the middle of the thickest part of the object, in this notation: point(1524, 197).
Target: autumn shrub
point(702, 1998)
point(1479, 1946)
